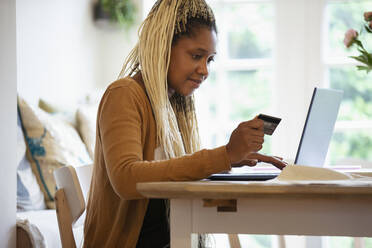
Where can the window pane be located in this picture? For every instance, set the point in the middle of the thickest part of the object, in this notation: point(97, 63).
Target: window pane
point(250, 93)
point(350, 144)
point(211, 114)
point(343, 15)
point(368, 242)
point(256, 241)
point(249, 30)
point(218, 240)
point(225, 100)
point(357, 87)
point(340, 242)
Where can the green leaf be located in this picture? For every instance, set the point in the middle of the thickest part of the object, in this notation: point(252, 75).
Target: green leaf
point(122, 11)
point(368, 29)
point(359, 58)
point(361, 51)
point(367, 57)
point(364, 68)
point(359, 43)
point(361, 68)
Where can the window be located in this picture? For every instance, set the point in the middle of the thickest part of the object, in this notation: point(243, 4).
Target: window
point(239, 86)
point(351, 143)
point(270, 56)
point(352, 140)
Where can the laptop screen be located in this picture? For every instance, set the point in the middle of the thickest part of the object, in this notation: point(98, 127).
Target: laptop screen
point(318, 128)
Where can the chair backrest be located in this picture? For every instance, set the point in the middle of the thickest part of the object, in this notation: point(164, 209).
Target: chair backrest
point(72, 190)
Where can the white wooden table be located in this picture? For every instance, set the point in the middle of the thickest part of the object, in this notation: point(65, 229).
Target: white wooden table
point(264, 208)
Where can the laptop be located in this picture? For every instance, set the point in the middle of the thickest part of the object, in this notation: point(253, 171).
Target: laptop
point(316, 135)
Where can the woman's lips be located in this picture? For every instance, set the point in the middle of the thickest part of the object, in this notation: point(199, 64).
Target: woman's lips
point(195, 83)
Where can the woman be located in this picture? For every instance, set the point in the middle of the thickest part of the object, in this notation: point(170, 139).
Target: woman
point(147, 129)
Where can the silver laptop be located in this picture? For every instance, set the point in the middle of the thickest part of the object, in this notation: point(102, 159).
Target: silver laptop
point(316, 135)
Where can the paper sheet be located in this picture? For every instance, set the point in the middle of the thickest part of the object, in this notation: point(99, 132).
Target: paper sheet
point(300, 174)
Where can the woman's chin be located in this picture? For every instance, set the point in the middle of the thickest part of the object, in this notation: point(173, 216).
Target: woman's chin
point(186, 93)
point(189, 93)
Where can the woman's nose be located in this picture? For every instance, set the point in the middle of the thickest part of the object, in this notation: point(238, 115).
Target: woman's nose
point(203, 68)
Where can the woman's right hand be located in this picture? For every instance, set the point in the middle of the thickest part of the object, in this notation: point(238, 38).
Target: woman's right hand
point(248, 137)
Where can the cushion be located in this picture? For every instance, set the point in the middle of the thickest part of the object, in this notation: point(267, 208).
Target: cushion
point(51, 143)
point(86, 116)
point(62, 112)
point(29, 195)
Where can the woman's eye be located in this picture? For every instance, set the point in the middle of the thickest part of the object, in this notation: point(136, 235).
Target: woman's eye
point(210, 60)
point(196, 56)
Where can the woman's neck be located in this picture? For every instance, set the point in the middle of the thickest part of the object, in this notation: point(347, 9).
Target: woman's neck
point(139, 79)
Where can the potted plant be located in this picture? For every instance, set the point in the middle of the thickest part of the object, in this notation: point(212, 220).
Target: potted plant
point(116, 11)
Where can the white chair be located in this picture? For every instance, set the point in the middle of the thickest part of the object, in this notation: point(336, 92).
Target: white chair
point(72, 190)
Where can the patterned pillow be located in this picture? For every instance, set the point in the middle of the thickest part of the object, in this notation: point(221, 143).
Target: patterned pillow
point(29, 195)
point(62, 112)
point(51, 143)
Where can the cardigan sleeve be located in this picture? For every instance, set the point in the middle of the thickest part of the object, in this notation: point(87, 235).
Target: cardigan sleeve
point(121, 119)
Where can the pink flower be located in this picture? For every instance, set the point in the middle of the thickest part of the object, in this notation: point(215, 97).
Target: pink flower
point(368, 16)
point(350, 36)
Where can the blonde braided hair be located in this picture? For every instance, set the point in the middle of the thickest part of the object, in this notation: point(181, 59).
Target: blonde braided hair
point(177, 129)
point(176, 123)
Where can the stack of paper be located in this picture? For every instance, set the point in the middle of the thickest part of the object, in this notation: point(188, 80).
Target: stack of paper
point(310, 175)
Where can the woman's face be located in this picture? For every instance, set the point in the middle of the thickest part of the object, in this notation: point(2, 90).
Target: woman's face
point(189, 62)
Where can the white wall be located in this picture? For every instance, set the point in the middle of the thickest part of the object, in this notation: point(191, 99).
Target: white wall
point(8, 136)
point(115, 44)
point(62, 53)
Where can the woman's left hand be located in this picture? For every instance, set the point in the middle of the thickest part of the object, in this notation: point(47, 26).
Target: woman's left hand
point(255, 157)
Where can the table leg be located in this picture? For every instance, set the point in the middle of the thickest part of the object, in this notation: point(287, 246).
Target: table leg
point(181, 224)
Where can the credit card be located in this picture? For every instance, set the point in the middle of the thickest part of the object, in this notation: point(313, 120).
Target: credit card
point(270, 123)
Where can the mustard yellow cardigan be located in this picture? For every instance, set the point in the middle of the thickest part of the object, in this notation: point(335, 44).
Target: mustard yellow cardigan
point(124, 156)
